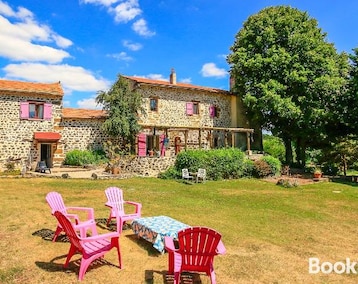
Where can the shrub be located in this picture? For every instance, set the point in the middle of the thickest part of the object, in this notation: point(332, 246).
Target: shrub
point(83, 157)
point(223, 163)
point(274, 164)
point(274, 146)
point(287, 183)
point(261, 169)
point(171, 173)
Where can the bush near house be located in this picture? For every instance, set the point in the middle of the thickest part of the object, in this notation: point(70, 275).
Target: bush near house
point(225, 163)
point(84, 157)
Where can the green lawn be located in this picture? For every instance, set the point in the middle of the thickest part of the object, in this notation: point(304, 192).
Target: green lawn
point(270, 232)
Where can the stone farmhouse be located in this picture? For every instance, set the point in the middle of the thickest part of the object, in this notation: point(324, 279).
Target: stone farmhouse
point(36, 127)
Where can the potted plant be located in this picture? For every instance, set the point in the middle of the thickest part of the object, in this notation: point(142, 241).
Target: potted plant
point(317, 173)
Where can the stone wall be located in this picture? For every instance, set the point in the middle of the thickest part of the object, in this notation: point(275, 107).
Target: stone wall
point(172, 107)
point(149, 167)
point(82, 134)
point(17, 135)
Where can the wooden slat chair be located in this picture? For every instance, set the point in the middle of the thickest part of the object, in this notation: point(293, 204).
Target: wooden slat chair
point(197, 248)
point(91, 248)
point(116, 203)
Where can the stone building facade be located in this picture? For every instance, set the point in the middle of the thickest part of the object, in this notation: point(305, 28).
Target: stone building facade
point(35, 126)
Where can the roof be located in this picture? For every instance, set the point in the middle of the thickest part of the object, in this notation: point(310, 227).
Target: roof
point(47, 136)
point(82, 113)
point(167, 84)
point(29, 87)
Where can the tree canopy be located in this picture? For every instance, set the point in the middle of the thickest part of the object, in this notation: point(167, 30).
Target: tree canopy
point(122, 104)
point(289, 76)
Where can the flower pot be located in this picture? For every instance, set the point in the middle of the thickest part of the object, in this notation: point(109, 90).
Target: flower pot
point(317, 175)
point(115, 170)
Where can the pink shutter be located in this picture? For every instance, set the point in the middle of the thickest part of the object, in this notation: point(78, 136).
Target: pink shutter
point(47, 111)
point(212, 111)
point(161, 143)
point(24, 110)
point(142, 145)
point(189, 108)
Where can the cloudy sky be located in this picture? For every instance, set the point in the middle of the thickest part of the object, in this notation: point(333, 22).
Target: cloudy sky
point(85, 44)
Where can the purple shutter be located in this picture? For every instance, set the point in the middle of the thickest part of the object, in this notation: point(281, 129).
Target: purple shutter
point(47, 111)
point(24, 110)
point(212, 111)
point(142, 147)
point(189, 108)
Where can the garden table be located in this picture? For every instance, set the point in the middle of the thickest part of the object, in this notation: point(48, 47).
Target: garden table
point(154, 229)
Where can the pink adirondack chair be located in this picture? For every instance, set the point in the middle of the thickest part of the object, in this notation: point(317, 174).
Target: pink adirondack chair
point(91, 248)
point(197, 248)
point(55, 201)
point(116, 203)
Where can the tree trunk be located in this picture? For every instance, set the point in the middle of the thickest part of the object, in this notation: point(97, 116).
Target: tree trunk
point(288, 147)
point(301, 152)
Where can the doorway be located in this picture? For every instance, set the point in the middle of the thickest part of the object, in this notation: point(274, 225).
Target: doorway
point(46, 155)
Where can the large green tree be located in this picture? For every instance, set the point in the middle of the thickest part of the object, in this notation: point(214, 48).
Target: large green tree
point(289, 76)
point(122, 104)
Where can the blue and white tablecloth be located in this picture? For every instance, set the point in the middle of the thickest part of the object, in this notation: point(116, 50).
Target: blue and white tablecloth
point(154, 229)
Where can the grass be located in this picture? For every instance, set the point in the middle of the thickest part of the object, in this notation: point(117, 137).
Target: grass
point(270, 232)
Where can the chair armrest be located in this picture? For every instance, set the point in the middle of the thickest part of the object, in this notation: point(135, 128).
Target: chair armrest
point(220, 248)
point(110, 235)
point(89, 210)
point(73, 217)
point(109, 204)
point(169, 244)
point(138, 206)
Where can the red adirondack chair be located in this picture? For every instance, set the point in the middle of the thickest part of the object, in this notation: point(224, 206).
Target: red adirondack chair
point(92, 247)
point(197, 248)
point(55, 201)
point(116, 203)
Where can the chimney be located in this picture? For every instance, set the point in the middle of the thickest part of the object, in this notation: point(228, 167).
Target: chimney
point(232, 83)
point(173, 77)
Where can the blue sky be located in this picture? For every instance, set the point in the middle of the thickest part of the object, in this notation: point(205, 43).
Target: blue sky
point(85, 44)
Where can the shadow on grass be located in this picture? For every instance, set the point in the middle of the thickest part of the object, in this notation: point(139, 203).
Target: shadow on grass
point(185, 278)
point(74, 266)
point(47, 235)
point(144, 244)
point(348, 180)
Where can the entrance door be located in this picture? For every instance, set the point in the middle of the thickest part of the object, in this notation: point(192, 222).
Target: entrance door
point(46, 154)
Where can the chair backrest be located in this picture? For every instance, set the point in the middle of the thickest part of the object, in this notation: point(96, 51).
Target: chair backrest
point(55, 201)
point(202, 173)
point(185, 172)
point(69, 230)
point(115, 197)
point(197, 245)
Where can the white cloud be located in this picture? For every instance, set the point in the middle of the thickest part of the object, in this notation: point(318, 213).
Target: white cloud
point(186, 80)
point(141, 28)
point(159, 77)
point(122, 56)
point(89, 103)
point(126, 11)
point(22, 38)
point(132, 46)
point(73, 78)
point(100, 2)
point(211, 70)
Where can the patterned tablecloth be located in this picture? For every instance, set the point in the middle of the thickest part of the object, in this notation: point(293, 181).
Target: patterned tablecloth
point(154, 229)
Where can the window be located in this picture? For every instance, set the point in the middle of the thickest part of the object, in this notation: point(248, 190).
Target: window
point(214, 111)
point(35, 110)
point(153, 104)
point(192, 108)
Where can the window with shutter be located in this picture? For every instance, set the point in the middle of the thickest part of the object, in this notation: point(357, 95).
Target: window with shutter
point(189, 108)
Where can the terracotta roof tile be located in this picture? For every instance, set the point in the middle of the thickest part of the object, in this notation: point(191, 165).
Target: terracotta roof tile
point(29, 87)
point(177, 85)
point(82, 113)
